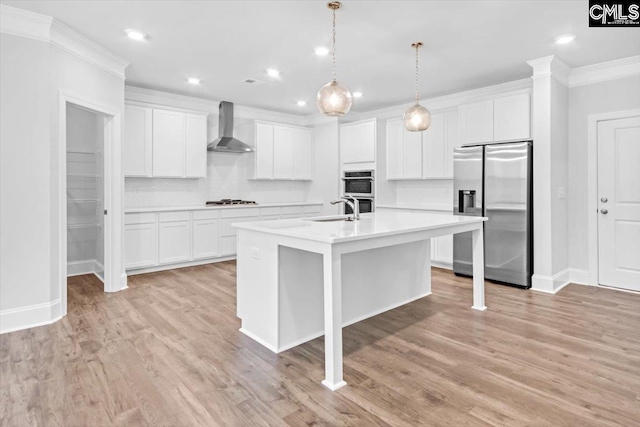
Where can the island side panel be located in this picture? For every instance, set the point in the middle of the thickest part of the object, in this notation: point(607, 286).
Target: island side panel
point(373, 281)
point(257, 286)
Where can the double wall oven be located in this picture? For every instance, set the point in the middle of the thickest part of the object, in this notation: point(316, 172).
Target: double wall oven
point(361, 185)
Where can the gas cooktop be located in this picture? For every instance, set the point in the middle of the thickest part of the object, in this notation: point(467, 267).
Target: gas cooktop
point(230, 202)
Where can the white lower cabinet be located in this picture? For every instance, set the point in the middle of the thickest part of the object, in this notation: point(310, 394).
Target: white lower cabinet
point(174, 241)
point(205, 235)
point(140, 245)
point(163, 240)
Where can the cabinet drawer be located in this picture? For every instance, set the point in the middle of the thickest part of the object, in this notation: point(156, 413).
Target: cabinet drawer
point(139, 218)
point(213, 214)
point(269, 217)
point(174, 216)
point(226, 230)
point(270, 211)
point(237, 213)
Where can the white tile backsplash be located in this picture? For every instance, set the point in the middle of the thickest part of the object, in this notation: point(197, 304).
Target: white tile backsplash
point(226, 178)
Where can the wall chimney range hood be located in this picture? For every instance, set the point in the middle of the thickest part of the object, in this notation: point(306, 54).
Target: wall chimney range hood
point(226, 143)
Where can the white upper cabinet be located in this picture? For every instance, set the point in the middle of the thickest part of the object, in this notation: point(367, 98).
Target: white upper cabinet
point(164, 143)
point(196, 146)
point(412, 154)
point(476, 122)
point(283, 152)
point(500, 119)
point(395, 149)
point(434, 147)
point(422, 155)
point(168, 143)
point(136, 150)
point(303, 155)
point(512, 117)
point(358, 142)
point(264, 151)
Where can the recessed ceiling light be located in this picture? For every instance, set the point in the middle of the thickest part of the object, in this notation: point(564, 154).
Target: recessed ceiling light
point(301, 103)
point(357, 94)
point(565, 38)
point(193, 81)
point(272, 72)
point(136, 35)
point(321, 51)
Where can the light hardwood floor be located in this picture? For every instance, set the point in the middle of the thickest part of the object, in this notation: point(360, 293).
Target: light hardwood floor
point(167, 352)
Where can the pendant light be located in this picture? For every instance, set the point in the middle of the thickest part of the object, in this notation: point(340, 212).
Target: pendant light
point(334, 99)
point(417, 118)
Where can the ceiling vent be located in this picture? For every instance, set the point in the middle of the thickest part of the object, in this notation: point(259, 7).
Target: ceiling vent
point(253, 81)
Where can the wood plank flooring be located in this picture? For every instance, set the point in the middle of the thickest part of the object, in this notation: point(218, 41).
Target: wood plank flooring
point(167, 352)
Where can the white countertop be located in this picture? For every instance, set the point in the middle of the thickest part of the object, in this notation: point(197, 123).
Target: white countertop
point(200, 207)
point(369, 226)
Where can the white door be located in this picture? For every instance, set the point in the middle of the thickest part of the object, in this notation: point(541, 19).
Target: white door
point(137, 143)
point(264, 151)
point(412, 154)
point(174, 242)
point(619, 203)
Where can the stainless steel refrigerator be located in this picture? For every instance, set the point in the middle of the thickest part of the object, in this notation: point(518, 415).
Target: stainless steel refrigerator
point(494, 180)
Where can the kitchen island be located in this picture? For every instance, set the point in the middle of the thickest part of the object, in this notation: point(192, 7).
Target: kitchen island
point(299, 279)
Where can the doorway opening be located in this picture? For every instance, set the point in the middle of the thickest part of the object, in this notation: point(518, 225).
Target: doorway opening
point(90, 187)
point(85, 192)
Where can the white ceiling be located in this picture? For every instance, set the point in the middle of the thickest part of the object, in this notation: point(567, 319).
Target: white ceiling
point(468, 44)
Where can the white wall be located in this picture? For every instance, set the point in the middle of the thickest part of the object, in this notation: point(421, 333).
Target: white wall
point(33, 73)
point(24, 173)
point(609, 96)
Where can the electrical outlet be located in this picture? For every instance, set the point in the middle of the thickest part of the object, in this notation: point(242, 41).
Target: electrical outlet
point(255, 253)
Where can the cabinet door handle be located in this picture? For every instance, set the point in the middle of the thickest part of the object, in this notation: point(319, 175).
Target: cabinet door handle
point(604, 211)
point(604, 200)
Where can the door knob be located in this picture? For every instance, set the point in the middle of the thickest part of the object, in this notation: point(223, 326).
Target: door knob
point(604, 200)
point(604, 211)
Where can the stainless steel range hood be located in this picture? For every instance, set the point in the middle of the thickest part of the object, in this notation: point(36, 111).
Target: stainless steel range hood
point(226, 143)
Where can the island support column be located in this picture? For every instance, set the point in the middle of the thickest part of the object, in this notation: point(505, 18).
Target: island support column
point(477, 245)
point(332, 266)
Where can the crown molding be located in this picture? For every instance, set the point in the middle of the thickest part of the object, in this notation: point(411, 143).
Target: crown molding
point(210, 106)
point(23, 23)
point(448, 102)
point(550, 66)
point(605, 71)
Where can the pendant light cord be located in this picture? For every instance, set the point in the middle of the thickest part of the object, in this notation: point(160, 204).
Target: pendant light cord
point(334, 44)
point(417, 99)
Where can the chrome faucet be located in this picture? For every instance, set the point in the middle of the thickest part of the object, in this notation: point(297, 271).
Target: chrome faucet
point(351, 201)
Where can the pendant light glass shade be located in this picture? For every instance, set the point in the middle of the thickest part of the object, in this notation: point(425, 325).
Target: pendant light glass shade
point(333, 99)
point(417, 118)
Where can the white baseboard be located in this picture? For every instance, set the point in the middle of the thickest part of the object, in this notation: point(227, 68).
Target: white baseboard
point(78, 268)
point(447, 265)
point(578, 276)
point(156, 268)
point(551, 284)
point(31, 316)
